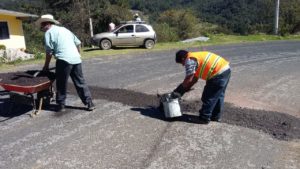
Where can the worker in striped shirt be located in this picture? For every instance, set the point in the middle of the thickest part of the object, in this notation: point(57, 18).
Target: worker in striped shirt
point(212, 68)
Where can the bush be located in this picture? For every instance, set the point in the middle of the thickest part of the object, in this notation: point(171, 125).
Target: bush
point(165, 33)
point(3, 58)
point(181, 22)
point(33, 36)
point(206, 29)
point(38, 53)
point(2, 47)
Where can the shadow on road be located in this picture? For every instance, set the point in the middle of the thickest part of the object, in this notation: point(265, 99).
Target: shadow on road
point(68, 110)
point(9, 110)
point(153, 112)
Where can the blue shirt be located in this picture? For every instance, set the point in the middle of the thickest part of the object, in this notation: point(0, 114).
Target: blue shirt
point(62, 43)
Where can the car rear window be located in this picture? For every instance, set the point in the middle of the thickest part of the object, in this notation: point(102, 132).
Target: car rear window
point(141, 28)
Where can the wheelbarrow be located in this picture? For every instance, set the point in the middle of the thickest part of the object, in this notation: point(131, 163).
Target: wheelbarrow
point(27, 88)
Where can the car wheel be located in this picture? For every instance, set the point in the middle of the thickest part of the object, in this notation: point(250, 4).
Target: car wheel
point(105, 44)
point(149, 44)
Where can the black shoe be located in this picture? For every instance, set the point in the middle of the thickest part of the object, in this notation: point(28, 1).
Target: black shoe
point(203, 121)
point(215, 119)
point(91, 106)
point(61, 108)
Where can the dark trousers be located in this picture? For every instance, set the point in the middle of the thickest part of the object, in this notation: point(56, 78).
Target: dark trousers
point(64, 70)
point(213, 96)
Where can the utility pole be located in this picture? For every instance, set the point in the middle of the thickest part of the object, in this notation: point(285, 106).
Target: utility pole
point(90, 19)
point(276, 17)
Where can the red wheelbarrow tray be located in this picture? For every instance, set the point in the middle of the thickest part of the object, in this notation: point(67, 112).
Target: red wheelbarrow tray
point(27, 89)
point(11, 82)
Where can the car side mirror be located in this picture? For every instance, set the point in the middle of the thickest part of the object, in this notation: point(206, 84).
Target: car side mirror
point(117, 32)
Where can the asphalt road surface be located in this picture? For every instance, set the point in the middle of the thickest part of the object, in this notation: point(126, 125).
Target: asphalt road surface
point(260, 129)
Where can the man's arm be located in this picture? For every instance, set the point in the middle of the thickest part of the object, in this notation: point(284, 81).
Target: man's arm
point(47, 61)
point(77, 43)
point(78, 48)
point(185, 86)
point(189, 79)
point(190, 69)
point(189, 82)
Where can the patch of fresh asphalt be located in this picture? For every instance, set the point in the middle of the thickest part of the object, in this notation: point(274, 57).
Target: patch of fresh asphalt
point(132, 134)
point(279, 125)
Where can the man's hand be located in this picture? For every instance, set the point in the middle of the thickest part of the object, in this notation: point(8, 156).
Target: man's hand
point(175, 95)
point(46, 68)
point(180, 89)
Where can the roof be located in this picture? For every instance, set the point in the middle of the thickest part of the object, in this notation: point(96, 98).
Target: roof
point(17, 14)
point(132, 22)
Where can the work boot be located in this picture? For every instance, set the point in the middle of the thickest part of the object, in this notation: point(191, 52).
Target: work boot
point(90, 106)
point(61, 108)
point(215, 119)
point(203, 121)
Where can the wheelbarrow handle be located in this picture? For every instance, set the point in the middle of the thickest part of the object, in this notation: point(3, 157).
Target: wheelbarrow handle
point(38, 72)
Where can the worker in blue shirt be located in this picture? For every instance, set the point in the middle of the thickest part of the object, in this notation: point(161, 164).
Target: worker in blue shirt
point(65, 47)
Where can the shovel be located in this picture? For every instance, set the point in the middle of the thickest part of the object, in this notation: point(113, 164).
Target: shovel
point(40, 71)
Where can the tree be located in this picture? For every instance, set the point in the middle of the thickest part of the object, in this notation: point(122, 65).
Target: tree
point(182, 21)
point(75, 14)
point(289, 16)
point(106, 12)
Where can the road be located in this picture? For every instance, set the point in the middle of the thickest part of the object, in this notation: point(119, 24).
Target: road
point(126, 131)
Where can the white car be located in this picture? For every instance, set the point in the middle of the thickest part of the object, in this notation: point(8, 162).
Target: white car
point(128, 34)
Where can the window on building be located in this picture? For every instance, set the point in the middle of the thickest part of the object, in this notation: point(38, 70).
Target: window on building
point(4, 34)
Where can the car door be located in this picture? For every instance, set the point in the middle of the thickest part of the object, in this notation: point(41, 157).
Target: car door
point(125, 36)
point(142, 32)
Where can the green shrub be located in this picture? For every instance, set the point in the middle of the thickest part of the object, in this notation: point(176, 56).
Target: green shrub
point(181, 22)
point(19, 60)
point(38, 54)
point(3, 58)
point(165, 33)
point(2, 47)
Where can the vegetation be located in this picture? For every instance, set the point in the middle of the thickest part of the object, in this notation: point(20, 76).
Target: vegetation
point(2, 47)
point(233, 16)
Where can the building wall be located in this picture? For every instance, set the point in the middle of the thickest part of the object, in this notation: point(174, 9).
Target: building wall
point(16, 39)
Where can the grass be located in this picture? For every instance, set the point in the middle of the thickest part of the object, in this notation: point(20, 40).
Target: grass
point(214, 40)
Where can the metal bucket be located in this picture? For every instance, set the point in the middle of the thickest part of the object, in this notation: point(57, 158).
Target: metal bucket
point(171, 106)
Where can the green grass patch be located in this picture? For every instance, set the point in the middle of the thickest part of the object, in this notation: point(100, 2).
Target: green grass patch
point(12, 65)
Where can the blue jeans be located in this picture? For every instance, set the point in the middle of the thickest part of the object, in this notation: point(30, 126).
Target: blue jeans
point(213, 96)
point(63, 71)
